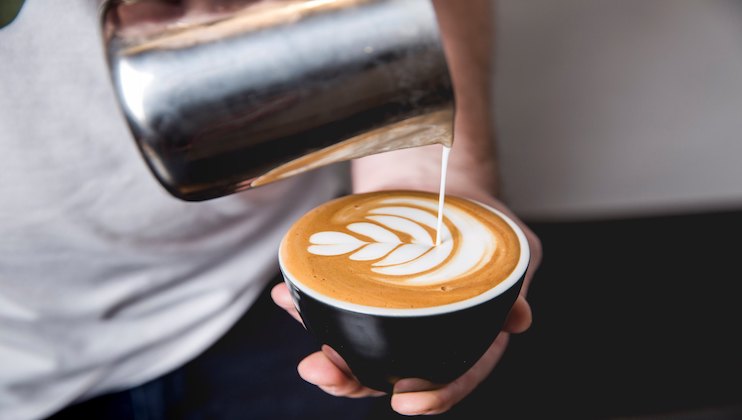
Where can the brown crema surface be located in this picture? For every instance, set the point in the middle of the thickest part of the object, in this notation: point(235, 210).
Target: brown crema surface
point(341, 278)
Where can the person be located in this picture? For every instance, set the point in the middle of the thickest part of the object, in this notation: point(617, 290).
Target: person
point(120, 301)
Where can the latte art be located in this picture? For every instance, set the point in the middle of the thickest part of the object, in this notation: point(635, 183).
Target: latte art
point(420, 261)
point(378, 249)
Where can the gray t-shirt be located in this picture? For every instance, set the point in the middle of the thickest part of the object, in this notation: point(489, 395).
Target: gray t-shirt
point(106, 281)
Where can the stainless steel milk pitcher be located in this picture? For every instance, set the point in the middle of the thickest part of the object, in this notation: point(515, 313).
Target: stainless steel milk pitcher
point(225, 95)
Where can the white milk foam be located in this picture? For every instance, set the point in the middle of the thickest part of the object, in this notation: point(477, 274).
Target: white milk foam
point(421, 262)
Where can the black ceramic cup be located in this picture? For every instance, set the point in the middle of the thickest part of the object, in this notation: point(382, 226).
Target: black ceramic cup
point(384, 345)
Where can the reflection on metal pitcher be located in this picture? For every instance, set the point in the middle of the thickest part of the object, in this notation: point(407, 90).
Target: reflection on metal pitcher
point(226, 95)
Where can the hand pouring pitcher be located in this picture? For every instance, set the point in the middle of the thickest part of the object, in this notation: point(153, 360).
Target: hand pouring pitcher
point(226, 95)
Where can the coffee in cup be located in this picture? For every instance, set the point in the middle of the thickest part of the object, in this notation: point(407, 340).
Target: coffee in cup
point(368, 280)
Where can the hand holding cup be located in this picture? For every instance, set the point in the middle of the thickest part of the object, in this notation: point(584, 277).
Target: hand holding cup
point(416, 311)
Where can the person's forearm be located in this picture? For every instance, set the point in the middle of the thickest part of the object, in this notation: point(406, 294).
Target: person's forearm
point(467, 35)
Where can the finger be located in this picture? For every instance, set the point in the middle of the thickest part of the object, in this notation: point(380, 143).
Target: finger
point(319, 370)
point(282, 297)
point(337, 360)
point(441, 399)
point(520, 317)
point(415, 385)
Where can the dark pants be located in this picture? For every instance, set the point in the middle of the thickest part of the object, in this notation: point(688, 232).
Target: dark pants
point(635, 318)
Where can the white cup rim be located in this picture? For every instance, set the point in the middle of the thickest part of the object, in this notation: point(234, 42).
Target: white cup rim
point(514, 276)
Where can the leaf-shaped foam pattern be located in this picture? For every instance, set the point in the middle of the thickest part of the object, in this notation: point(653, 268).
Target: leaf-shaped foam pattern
point(475, 247)
point(417, 265)
point(375, 232)
point(386, 244)
point(400, 224)
point(403, 254)
point(420, 261)
point(422, 216)
point(373, 251)
point(333, 243)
